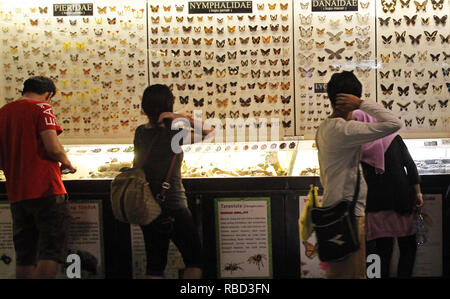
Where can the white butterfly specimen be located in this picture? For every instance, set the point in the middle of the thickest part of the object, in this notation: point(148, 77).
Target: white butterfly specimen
point(304, 5)
point(362, 57)
point(335, 37)
point(335, 23)
point(363, 44)
point(307, 60)
point(306, 32)
point(306, 45)
point(306, 73)
point(363, 71)
point(306, 20)
point(362, 19)
point(362, 30)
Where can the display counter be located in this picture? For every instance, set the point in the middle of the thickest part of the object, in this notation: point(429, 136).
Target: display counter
point(280, 172)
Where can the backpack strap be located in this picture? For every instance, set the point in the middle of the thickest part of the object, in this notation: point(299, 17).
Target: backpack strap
point(166, 185)
point(355, 196)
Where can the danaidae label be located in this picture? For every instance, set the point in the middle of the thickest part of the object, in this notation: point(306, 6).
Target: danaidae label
point(73, 9)
point(334, 5)
point(217, 7)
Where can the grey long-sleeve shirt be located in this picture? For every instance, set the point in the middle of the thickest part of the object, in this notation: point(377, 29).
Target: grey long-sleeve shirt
point(339, 150)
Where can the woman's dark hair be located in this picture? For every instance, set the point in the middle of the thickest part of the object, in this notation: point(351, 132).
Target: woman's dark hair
point(39, 85)
point(157, 99)
point(345, 82)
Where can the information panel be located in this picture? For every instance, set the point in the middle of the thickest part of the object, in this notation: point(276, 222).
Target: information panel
point(85, 239)
point(244, 243)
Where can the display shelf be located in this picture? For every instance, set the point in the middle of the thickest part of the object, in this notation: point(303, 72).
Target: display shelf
point(432, 156)
point(259, 159)
point(239, 159)
point(242, 159)
point(98, 161)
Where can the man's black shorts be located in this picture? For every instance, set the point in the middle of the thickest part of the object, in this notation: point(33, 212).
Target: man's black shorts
point(40, 229)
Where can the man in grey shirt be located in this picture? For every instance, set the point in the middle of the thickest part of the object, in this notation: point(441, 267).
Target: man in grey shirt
point(339, 140)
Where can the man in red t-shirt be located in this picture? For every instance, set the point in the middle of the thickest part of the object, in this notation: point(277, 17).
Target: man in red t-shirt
point(30, 153)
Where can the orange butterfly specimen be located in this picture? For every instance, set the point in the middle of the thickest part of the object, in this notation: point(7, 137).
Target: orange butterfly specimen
point(222, 103)
point(272, 99)
point(349, 44)
point(285, 86)
point(34, 22)
point(208, 42)
point(231, 29)
point(320, 44)
point(66, 95)
point(154, 8)
point(208, 30)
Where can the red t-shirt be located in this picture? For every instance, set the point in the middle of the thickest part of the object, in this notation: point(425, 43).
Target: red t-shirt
point(29, 171)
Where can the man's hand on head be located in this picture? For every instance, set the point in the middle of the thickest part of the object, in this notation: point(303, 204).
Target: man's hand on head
point(347, 102)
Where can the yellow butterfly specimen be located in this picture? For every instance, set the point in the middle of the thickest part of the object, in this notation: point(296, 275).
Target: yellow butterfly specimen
point(80, 46)
point(102, 10)
point(67, 46)
point(385, 58)
point(421, 7)
point(388, 6)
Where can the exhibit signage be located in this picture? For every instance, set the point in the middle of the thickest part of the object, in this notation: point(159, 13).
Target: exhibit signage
point(244, 243)
point(73, 9)
point(334, 5)
point(216, 7)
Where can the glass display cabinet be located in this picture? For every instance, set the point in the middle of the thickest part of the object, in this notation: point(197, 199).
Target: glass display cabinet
point(242, 159)
point(205, 160)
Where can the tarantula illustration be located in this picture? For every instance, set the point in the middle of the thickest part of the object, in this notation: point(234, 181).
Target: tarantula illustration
point(257, 259)
point(232, 267)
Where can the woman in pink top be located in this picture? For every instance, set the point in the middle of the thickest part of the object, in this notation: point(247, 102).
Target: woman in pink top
point(393, 194)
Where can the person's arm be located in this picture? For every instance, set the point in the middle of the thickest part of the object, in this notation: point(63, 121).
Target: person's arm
point(55, 150)
point(198, 127)
point(353, 133)
point(419, 195)
point(413, 174)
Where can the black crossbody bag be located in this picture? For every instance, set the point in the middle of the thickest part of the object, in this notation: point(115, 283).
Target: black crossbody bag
point(336, 228)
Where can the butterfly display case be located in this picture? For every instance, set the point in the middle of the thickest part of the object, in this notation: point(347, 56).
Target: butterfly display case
point(432, 156)
point(290, 158)
point(205, 160)
point(258, 159)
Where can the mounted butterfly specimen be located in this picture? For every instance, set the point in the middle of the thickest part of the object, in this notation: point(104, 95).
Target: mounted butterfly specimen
point(403, 107)
point(387, 105)
point(384, 22)
point(403, 91)
point(335, 54)
point(388, 6)
point(387, 90)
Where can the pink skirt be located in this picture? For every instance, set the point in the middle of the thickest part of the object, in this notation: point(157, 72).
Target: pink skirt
point(389, 224)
